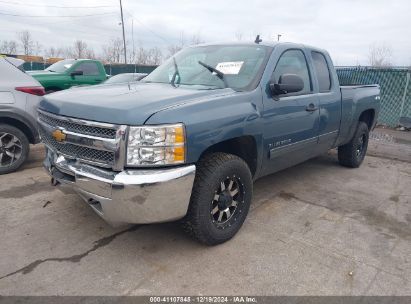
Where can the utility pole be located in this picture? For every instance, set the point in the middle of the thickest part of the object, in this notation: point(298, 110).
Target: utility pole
point(132, 38)
point(124, 35)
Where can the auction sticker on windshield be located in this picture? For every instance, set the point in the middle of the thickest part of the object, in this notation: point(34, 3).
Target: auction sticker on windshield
point(230, 67)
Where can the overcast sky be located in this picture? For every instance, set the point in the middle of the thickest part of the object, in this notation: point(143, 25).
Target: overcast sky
point(345, 28)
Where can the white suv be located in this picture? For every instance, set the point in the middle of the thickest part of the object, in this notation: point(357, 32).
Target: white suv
point(19, 97)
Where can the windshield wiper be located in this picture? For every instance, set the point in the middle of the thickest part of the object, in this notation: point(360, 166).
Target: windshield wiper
point(218, 73)
point(176, 72)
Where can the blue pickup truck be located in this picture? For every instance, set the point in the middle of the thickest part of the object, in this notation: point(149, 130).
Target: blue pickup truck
point(187, 142)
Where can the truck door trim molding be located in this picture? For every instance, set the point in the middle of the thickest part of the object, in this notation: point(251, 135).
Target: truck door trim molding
point(276, 152)
point(328, 135)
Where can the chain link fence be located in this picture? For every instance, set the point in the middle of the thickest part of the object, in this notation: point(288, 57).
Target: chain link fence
point(395, 89)
point(114, 69)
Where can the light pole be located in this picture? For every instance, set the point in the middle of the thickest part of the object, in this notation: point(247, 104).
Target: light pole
point(124, 35)
point(278, 37)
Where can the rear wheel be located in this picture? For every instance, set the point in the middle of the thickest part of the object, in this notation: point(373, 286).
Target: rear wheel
point(352, 154)
point(14, 148)
point(220, 198)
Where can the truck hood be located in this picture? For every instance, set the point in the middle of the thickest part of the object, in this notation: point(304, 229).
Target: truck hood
point(129, 104)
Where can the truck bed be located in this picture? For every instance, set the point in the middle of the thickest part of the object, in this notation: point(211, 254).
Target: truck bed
point(355, 100)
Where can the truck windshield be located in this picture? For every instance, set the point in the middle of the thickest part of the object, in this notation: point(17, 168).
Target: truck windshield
point(61, 66)
point(236, 66)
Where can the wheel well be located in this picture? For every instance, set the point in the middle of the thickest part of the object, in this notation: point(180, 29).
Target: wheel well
point(19, 125)
point(244, 147)
point(368, 117)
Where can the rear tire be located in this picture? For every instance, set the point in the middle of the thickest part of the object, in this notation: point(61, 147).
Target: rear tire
point(352, 154)
point(14, 148)
point(220, 199)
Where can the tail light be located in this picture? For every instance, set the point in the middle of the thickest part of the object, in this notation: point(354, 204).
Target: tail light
point(39, 91)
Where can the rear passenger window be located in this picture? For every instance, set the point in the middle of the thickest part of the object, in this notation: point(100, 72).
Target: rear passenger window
point(322, 71)
point(293, 62)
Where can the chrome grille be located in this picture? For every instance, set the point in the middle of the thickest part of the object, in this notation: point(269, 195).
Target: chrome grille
point(79, 128)
point(100, 144)
point(78, 152)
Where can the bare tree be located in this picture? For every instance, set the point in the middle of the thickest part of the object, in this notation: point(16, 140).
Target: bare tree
point(113, 51)
point(380, 55)
point(156, 56)
point(53, 52)
point(8, 47)
point(174, 48)
point(133, 54)
point(196, 39)
point(182, 39)
point(37, 49)
point(26, 42)
point(107, 54)
point(239, 35)
point(89, 53)
point(142, 56)
point(67, 52)
point(152, 56)
point(79, 49)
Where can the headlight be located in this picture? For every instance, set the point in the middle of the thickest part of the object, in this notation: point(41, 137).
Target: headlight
point(156, 145)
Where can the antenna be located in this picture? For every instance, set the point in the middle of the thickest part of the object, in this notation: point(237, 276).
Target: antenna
point(257, 39)
point(124, 36)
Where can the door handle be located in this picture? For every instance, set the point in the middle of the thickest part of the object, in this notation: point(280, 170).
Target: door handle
point(311, 108)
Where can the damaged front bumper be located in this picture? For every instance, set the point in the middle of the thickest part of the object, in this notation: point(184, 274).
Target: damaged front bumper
point(132, 196)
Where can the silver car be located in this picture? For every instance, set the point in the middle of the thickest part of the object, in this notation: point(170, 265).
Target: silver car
point(19, 97)
point(125, 77)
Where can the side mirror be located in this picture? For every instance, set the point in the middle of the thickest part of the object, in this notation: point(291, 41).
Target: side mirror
point(76, 73)
point(288, 83)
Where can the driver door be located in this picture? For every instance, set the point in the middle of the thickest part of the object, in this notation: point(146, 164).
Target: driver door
point(90, 74)
point(291, 121)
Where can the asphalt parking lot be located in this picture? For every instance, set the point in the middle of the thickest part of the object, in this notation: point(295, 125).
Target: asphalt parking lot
point(314, 229)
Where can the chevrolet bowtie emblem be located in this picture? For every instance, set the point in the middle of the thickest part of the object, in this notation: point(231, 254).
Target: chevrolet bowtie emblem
point(58, 135)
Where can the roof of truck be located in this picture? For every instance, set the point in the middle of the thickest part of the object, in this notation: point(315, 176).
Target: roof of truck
point(266, 43)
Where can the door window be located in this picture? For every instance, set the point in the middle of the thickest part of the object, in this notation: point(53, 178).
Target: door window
point(322, 71)
point(88, 68)
point(293, 62)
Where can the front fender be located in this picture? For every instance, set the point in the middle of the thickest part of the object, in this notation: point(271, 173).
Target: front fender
point(209, 122)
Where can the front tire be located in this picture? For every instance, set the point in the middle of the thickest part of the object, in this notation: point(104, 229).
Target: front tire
point(14, 148)
point(352, 154)
point(220, 199)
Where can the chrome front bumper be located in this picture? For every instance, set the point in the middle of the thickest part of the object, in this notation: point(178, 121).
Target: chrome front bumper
point(131, 196)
